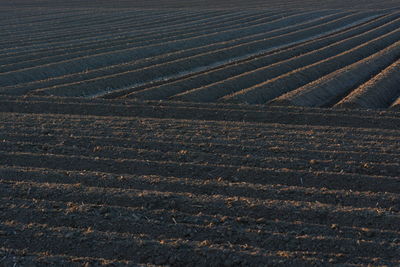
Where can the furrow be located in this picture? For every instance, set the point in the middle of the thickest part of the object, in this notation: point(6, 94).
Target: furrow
point(210, 186)
point(320, 179)
point(192, 64)
point(151, 206)
point(61, 25)
point(295, 79)
point(227, 73)
point(282, 115)
point(66, 37)
point(277, 149)
point(96, 34)
point(231, 107)
point(122, 40)
point(396, 105)
point(255, 135)
point(327, 165)
point(141, 249)
point(133, 39)
point(44, 258)
point(378, 92)
point(333, 87)
point(184, 142)
point(229, 86)
point(81, 79)
point(117, 57)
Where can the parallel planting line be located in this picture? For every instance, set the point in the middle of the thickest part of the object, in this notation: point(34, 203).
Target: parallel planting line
point(278, 86)
point(379, 92)
point(116, 57)
point(182, 66)
point(54, 55)
point(328, 89)
point(47, 40)
point(230, 71)
point(281, 115)
point(327, 165)
point(124, 31)
point(233, 84)
point(209, 186)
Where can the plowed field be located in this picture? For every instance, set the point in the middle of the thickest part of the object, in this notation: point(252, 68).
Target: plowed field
point(199, 133)
point(331, 55)
point(184, 184)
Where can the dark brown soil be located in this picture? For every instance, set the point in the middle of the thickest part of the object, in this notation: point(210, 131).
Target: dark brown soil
point(108, 157)
point(184, 184)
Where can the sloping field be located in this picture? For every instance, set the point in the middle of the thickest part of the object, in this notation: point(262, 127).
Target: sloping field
point(181, 184)
point(282, 56)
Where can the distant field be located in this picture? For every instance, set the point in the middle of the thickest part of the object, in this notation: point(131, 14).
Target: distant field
point(320, 57)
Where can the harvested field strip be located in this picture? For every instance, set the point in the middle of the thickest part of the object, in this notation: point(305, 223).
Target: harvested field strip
point(278, 86)
point(235, 83)
point(116, 57)
point(231, 71)
point(199, 62)
point(328, 89)
point(379, 92)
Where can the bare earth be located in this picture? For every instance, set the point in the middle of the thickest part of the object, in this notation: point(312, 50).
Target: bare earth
point(134, 133)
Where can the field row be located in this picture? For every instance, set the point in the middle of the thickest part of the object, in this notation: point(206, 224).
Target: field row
point(203, 111)
point(154, 188)
point(319, 58)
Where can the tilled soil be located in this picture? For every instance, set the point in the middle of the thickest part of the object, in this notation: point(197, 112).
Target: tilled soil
point(119, 182)
point(279, 53)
